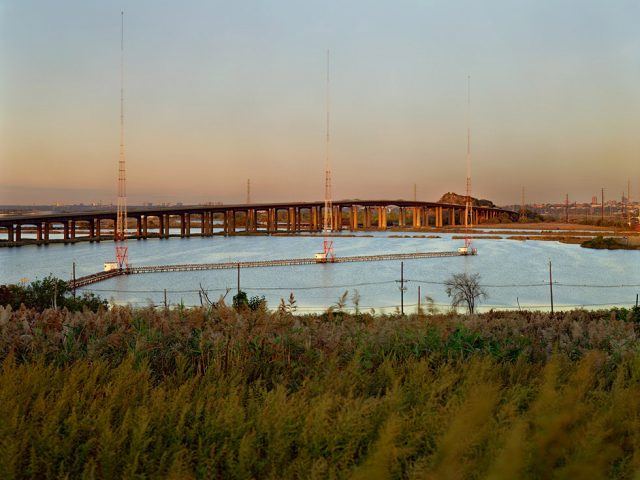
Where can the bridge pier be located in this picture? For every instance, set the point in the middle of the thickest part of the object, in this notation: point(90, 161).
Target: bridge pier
point(382, 218)
point(417, 217)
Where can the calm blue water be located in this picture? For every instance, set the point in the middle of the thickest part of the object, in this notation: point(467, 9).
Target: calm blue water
point(507, 268)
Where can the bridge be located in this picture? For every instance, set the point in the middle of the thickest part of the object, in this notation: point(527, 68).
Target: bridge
point(268, 218)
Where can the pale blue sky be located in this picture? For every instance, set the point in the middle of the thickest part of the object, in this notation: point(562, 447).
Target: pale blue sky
point(218, 92)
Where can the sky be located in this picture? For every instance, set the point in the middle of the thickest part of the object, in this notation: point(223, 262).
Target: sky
point(217, 93)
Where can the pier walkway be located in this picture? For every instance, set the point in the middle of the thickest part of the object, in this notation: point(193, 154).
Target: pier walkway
point(186, 267)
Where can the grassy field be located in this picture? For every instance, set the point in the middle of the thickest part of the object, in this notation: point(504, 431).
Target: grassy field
point(216, 393)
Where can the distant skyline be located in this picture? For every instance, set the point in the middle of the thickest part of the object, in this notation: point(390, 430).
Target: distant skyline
point(219, 92)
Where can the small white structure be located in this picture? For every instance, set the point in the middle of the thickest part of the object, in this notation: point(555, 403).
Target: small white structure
point(320, 257)
point(109, 266)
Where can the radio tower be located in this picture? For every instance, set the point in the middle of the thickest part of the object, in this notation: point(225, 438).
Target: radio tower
point(327, 224)
point(468, 207)
point(122, 255)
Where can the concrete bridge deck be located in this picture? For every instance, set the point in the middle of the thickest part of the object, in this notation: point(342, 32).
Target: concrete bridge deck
point(207, 220)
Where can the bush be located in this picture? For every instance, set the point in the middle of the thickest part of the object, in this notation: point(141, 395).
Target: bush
point(50, 292)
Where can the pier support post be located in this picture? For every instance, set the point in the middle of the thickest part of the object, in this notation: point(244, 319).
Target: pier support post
point(65, 230)
point(10, 235)
point(18, 233)
point(73, 229)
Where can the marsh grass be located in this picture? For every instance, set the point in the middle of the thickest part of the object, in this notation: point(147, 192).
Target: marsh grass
point(217, 393)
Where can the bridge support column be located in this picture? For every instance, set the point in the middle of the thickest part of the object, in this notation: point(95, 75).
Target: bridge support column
point(314, 215)
point(439, 217)
point(47, 228)
point(183, 232)
point(452, 217)
point(272, 220)
point(382, 218)
point(161, 219)
point(65, 230)
point(401, 217)
point(417, 217)
point(290, 219)
point(353, 218)
point(10, 236)
point(145, 226)
point(230, 222)
point(337, 219)
point(73, 229)
point(18, 233)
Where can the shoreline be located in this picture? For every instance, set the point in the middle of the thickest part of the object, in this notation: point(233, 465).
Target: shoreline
point(551, 232)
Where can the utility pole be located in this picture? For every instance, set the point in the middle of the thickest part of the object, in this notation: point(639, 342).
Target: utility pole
point(419, 300)
point(74, 280)
point(602, 205)
point(551, 286)
point(566, 208)
point(238, 279)
point(402, 281)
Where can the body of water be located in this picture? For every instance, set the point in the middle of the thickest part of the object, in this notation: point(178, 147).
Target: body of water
point(512, 272)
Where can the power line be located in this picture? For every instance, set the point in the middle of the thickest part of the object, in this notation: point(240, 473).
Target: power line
point(365, 284)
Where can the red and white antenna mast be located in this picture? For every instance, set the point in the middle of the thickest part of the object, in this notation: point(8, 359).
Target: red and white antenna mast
point(122, 255)
point(327, 224)
point(468, 207)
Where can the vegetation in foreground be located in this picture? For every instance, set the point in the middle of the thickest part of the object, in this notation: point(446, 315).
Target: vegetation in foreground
point(219, 392)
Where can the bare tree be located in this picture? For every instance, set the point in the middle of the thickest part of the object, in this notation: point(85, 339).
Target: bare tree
point(464, 288)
